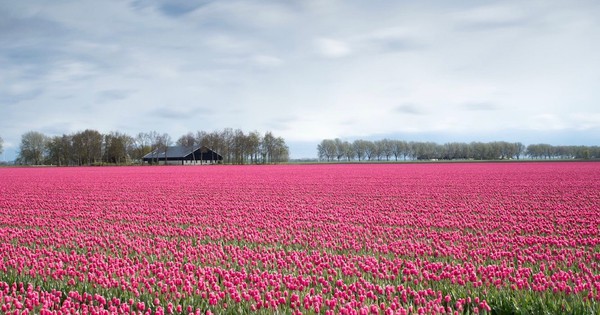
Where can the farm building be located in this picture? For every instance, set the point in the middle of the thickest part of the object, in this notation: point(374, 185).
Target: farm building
point(183, 155)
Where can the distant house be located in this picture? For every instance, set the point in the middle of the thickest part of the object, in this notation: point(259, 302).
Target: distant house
point(183, 155)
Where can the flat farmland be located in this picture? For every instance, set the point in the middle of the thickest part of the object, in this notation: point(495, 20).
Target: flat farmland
point(312, 239)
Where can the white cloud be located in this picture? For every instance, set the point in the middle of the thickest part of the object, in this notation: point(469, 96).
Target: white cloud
point(332, 48)
point(268, 61)
point(493, 16)
point(586, 121)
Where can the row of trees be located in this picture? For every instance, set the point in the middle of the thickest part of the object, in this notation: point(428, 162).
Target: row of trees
point(239, 148)
point(547, 151)
point(387, 149)
point(90, 147)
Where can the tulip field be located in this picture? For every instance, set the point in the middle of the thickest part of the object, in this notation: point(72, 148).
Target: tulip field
point(447, 238)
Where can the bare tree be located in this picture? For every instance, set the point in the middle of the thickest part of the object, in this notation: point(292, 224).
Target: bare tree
point(154, 138)
point(386, 148)
point(200, 138)
point(238, 145)
point(213, 141)
point(187, 140)
point(327, 149)
point(33, 148)
point(163, 142)
point(321, 150)
point(370, 149)
point(348, 150)
point(359, 147)
point(497, 150)
point(226, 150)
point(399, 148)
point(343, 149)
point(378, 149)
point(339, 148)
point(519, 149)
point(142, 145)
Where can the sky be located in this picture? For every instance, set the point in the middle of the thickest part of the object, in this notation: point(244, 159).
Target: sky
point(306, 70)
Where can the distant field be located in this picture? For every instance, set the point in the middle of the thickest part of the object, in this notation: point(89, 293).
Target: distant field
point(356, 238)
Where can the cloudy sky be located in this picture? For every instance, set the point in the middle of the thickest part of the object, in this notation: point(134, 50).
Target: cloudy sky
point(306, 70)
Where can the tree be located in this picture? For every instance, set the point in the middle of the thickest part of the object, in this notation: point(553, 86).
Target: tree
point(118, 145)
point(404, 149)
point(396, 148)
point(339, 148)
point(213, 141)
point(162, 143)
point(238, 144)
point(226, 150)
point(541, 150)
point(348, 150)
point(494, 150)
point(327, 149)
point(142, 145)
point(386, 147)
point(378, 152)
point(479, 150)
point(33, 148)
point(450, 151)
point(87, 147)
point(200, 138)
point(267, 145)
point(60, 150)
point(187, 140)
point(424, 150)
point(370, 149)
point(417, 150)
point(359, 149)
point(253, 146)
point(147, 142)
point(281, 152)
point(519, 149)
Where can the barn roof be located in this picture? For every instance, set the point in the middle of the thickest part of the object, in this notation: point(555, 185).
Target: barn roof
point(175, 152)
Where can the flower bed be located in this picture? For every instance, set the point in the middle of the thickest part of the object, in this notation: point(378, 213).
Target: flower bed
point(347, 239)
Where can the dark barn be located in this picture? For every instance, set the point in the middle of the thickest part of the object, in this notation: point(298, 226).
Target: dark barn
point(183, 155)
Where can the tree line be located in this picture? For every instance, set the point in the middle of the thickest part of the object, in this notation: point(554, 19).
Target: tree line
point(90, 147)
point(388, 149)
